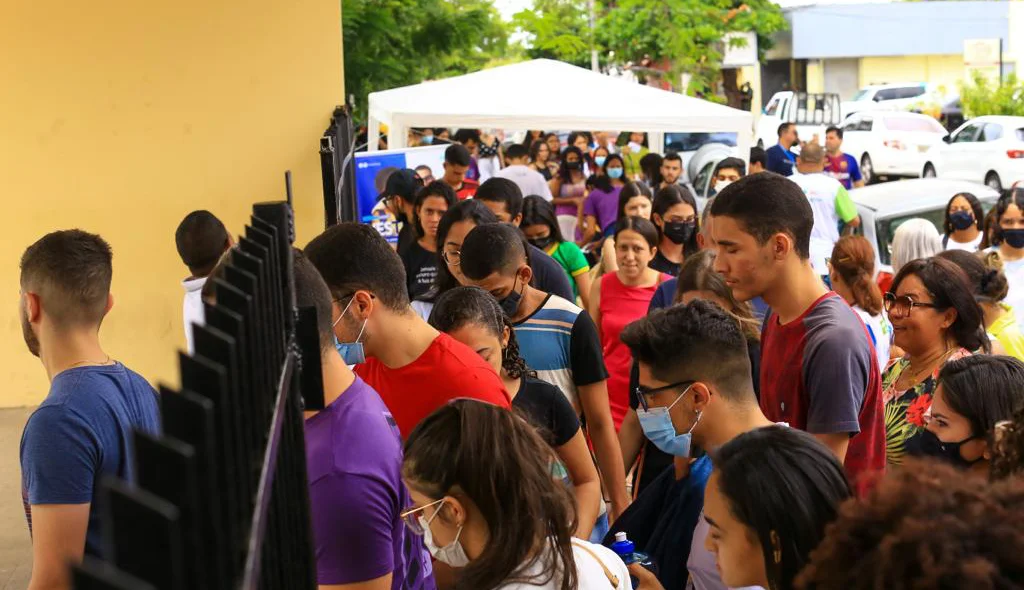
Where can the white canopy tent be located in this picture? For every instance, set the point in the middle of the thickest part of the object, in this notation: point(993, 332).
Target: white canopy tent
point(547, 94)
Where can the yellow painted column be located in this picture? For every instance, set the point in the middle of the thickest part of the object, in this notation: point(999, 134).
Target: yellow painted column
point(120, 117)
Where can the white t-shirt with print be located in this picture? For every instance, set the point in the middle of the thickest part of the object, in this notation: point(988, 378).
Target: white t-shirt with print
point(881, 334)
point(822, 192)
point(589, 571)
point(971, 246)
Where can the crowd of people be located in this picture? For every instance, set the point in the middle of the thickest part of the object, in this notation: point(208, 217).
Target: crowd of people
point(566, 346)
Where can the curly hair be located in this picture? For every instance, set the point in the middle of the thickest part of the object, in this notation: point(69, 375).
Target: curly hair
point(1008, 448)
point(925, 526)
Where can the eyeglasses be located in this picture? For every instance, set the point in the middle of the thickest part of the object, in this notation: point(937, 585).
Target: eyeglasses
point(411, 517)
point(642, 391)
point(453, 258)
point(901, 307)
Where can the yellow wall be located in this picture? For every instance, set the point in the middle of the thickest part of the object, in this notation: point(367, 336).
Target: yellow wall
point(121, 116)
point(940, 70)
point(815, 76)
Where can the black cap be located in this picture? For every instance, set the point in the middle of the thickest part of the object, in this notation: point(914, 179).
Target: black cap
point(404, 183)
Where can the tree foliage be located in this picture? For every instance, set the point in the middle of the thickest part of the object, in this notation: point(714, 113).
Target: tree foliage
point(986, 96)
point(684, 35)
point(392, 43)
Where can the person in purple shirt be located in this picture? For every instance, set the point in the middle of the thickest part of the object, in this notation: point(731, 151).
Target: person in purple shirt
point(354, 462)
point(601, 207)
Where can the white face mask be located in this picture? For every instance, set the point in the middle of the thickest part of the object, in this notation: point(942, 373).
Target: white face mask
point(721, 184)
point(451, 554)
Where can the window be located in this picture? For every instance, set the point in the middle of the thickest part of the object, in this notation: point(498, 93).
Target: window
point(991, 132)
point(966, 134)
point(886, 229)
point(1020, 135)
point(862, 95)
point(700, 184)
point(887, 94)
point(817, 109)
point(910, 91)
point(691, 142)
point(773, 107)
point(865, 124)
point(917, 124)
point(851, 123)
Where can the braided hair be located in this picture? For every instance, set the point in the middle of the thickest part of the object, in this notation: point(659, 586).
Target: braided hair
point(472, 305)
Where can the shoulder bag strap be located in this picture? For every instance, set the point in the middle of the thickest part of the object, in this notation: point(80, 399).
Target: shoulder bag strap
point(612, 578)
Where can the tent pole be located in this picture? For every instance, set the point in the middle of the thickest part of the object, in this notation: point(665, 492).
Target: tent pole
point(372, 131)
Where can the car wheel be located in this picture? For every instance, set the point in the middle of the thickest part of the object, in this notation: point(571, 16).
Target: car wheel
point(867, 170)
point(992, 180)
point(929, 171)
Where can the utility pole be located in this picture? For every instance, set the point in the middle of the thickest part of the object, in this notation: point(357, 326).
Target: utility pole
point(593, 48)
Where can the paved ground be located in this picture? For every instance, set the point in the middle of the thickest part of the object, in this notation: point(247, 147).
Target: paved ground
point(15, 547)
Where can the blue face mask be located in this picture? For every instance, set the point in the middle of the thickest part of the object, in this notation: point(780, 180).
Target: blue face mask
point(615, 173)
point(427, 139)
point(351, 352)
point(657, 426)
point(600, 160)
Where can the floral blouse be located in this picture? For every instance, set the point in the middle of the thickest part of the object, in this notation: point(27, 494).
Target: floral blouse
point(906, 411)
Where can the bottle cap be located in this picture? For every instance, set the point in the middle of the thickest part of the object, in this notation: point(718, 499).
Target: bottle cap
point(620, 536)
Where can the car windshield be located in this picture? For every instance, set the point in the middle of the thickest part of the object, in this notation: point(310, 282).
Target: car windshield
point(886, 228)
point(917, 124)
point(691, 142)
point(862, 95)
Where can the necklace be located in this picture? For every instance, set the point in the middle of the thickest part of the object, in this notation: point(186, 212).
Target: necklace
point(107, 361)
point(927, 367)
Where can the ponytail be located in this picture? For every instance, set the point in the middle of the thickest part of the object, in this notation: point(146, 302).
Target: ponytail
point(853, 259)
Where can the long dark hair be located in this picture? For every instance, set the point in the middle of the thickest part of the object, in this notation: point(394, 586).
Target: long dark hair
point(786, 486)
point(563, 171)
point(535, 149)
point(979, 214)
point(698, 274)
point(1012, 197)
point(537, 211)
point(528, 139)
point(473, 305)
point(603, 181)
point(853, 259)
point(496, 459)
point(471, 210)
point(668, 197)
point(636, 188)
point(949, 288)
point(984, 389)
point(650, 165)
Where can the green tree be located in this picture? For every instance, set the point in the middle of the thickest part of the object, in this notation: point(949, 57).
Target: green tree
point(985, 96)
point(392, 43)
point(557, 29)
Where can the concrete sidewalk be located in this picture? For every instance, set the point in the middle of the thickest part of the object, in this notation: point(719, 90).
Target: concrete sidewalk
point(15, 545)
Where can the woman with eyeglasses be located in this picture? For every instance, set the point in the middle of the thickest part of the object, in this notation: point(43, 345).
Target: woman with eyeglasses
point(472, 316)
point(973, 395)
point(1009, 242)
point(486, 504)
point(674, 213)
point(935, 320)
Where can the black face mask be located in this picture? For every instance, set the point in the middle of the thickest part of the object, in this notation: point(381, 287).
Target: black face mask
point(510, 303)
point(1014, 237)
point(961, 220)
point(679, 232)
point(574, 165)
point(931, 446)
point(542, 243)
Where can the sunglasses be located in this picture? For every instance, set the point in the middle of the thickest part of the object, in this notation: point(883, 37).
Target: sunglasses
point(902, 306)
point(411, 517)
point(641, 392)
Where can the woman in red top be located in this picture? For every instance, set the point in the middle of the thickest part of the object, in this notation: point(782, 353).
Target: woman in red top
point(621, 298)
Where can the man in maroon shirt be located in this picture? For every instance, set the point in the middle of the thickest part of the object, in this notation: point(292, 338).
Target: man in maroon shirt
point(818, 367)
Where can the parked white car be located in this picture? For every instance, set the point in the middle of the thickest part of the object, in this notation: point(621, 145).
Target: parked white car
point(884, 207)
point(890, 143)
point(986, 149)
point(890, 97)
point(812, 114)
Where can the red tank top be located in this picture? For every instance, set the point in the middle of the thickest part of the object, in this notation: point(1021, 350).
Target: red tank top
point(620, 306)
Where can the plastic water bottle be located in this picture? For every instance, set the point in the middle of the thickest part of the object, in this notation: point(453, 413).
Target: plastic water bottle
point(627, 552)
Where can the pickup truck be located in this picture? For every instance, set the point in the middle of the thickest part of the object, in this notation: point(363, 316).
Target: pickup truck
point(811, 112)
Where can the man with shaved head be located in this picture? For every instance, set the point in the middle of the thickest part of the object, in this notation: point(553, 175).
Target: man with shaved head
point(834, 211)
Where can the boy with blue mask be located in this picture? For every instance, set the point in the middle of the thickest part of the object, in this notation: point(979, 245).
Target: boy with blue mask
point(696, 391)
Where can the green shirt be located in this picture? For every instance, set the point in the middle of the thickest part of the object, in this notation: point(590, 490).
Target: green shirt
point(572, 260)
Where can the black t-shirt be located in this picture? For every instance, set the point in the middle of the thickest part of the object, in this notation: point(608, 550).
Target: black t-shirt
point(662, 264)
point(406, 237)
point(548, 409)
point(420, 270)
point(548, 275)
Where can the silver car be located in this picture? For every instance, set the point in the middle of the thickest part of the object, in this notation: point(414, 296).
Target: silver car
point(883, 207)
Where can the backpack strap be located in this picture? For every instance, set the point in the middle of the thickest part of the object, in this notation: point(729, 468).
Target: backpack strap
point(612, 578)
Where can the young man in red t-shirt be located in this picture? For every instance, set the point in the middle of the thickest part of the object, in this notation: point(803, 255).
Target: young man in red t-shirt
point(413, 367)
point(818, 367)
point(457, 160)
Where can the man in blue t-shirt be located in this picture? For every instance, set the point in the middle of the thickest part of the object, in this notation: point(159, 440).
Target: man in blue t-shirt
point(842, 167)
point(82, 431)
point(781, 159)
